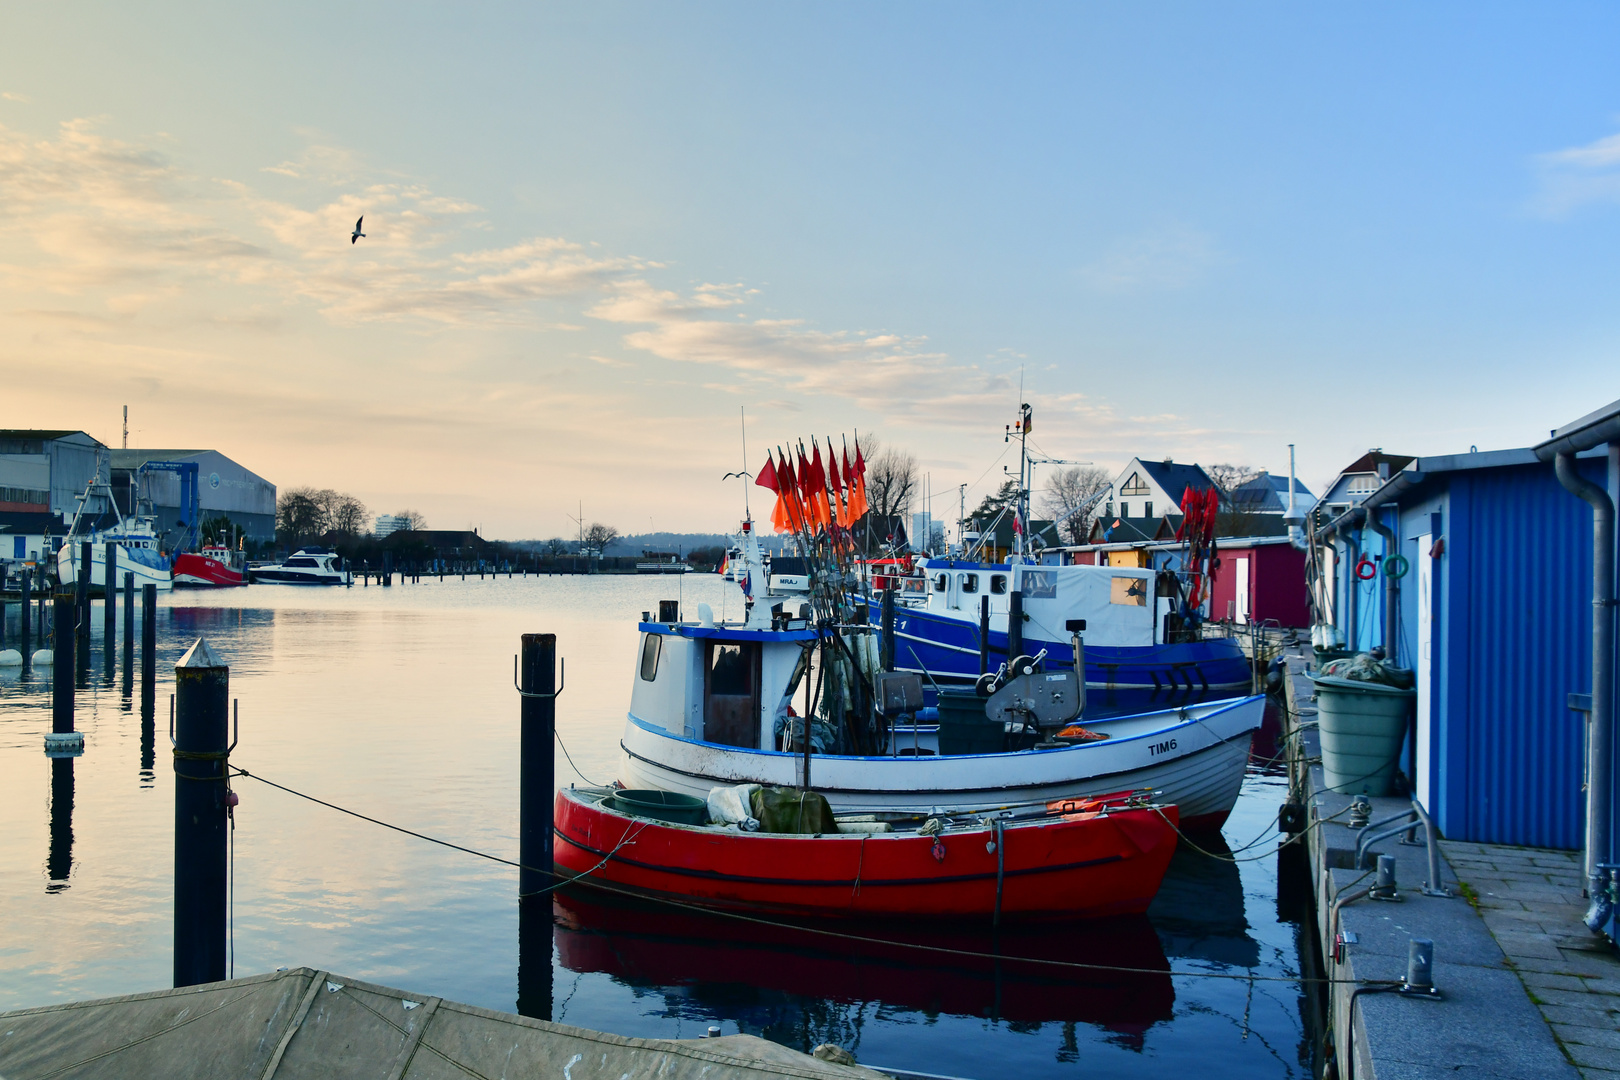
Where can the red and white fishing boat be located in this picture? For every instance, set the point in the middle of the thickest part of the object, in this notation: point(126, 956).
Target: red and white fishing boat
point(1073, 859)
point(215, 566)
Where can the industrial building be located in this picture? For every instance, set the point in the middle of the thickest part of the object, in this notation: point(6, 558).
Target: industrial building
point(43, 474)
point(226, 489)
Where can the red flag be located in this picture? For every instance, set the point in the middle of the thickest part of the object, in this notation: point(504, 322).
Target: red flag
point(781, 513)
point(767, 475)
point(818, 487)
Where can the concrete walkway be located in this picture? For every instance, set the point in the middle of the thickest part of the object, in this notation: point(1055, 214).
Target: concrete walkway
point(1530, 898)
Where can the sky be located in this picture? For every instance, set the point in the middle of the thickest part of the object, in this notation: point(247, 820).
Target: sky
point(597, 235)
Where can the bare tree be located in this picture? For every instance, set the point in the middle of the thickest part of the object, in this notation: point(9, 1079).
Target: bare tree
point(1067, 491)
point(301, 514)
point(598, 536)
point(346, 514)
point(557, 547)
point(891, 478)
point(1230, 477)
point(415, 520)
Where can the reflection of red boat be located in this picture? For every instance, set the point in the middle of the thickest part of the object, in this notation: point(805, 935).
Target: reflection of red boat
point(1106, 859)
point(212, 567)
point(644, 942)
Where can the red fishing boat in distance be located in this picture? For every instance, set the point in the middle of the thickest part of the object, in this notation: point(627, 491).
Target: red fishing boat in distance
point(1071, 859)
point(212, 567)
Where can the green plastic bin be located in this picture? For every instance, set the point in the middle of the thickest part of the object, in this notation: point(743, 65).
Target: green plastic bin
point(1362, 726)
point(660, 806)
point(964, 727)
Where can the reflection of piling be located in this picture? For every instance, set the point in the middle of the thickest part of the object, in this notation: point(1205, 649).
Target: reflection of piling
point(202, 700)
point(537, 768)
point(129, 629)
point(59, 861)
point(148, 643)
point(535, 934)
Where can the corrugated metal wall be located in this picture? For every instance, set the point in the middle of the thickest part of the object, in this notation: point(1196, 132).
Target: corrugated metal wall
point(1516, 644)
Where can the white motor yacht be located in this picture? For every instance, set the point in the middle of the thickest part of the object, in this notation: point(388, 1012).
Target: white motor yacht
point(306, 566)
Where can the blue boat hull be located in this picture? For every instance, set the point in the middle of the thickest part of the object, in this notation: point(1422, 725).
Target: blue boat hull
point(1119, 680)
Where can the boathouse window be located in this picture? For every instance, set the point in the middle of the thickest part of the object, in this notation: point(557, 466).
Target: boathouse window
point(941, 581)
point(651, 646)
point(998, 583)
point(970, 583)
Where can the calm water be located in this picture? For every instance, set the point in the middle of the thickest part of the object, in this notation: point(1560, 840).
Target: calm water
point(399, 703)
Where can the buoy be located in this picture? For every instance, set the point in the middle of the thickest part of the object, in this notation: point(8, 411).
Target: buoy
point(44, 657)
point(10, 658)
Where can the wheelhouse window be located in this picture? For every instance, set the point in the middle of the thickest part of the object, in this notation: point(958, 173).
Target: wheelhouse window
point(732, 674)
point(998, 583)
point(970, 583)
point(651, 646)
point(941, 582)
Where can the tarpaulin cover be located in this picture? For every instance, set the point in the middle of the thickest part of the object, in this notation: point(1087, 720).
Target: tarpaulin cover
point(304, 1023)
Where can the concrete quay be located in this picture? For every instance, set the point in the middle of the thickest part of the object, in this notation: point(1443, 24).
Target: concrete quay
point(1483, 1022)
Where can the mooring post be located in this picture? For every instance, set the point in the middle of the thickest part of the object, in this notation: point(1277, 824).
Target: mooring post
point(984, 633)
point(129, 627)
point(886, 655)
point(63, 739)
point(109, 608)
point(82, 585)
point(1015, 625)
point(27, 598)
point(148, 642)
point(537, 769)
point(201, 712)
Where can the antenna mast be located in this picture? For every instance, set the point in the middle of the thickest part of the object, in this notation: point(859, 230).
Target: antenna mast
point(126, 427)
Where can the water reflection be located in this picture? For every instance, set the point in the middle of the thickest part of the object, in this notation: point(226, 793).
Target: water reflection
point(726, 967)
point(59, 859)
point(1199, 911)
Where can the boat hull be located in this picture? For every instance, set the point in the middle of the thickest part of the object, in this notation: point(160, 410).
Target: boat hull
point(1194, 757)
point(298, 577)
point(67, 566)
point(1120, 680)
point(193, 571)
point(1076, 866)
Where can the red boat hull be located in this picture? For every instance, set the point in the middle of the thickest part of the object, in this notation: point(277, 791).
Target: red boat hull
point(200, 571)
point(1074, 866)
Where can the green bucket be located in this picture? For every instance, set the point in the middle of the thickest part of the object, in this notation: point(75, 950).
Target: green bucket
point(660, 806)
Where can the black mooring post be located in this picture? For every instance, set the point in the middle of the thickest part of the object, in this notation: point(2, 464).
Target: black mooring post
point(24, 628)
point(202, 687)
point(886, 642)
point(1015, 625)
point(537, 770)
point(81, 581)
point(62, 644)
point(984, 634)
point(109, 607)
point(148, 642)
point(129, 628)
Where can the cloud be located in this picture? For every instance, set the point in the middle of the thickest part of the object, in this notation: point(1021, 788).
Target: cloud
point(22, 99)
point(1168, 257)
point(1570, 179)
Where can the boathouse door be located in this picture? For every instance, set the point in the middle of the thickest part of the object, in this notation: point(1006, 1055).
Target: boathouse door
point(1423, 751)
point(731, 693)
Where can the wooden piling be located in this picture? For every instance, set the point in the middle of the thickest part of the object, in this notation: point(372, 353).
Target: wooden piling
point(129, 626)
point(63, 644)
point(537, 766)
point(109, 606)
point(984, 633)
point(1015, 625)
point(201, 714)
point(886, 642)
point(23, 629)
point(148, 641)
point(82, 593)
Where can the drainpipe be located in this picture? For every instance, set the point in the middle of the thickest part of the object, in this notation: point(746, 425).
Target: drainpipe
point(1600, 738)
point(1391, 586)
point(1293, 518)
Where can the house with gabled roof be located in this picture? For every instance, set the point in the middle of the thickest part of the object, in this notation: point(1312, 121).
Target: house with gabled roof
point(1151, 489)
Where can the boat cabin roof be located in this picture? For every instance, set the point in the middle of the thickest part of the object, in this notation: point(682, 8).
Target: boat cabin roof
point(724, 633)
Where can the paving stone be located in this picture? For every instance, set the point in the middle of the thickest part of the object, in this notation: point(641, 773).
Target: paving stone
point(1581, 1017)
point(1600, 1056)
point(1609, 987)
point(1498, 903)
point(1520, 946)
point(1537, 980)
point(1588, 1036)
point(1578, 998)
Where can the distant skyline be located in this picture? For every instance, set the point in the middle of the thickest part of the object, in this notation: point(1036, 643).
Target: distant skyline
point(593, 233)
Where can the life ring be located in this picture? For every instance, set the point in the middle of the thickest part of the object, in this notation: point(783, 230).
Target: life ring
point(1366, 569)
point(1396, 566)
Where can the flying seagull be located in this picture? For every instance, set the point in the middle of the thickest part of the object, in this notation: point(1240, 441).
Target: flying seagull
point(357, 233)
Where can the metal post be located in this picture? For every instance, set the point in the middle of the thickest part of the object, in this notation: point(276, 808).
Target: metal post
point(984, 633)
point(201, 709)
point(109, 606)
point(887, 640)
point(24, 628)
point(62, 670)
point(81, 581)
point(148, 641)
point(1015, 625)
point(129, 626)
point(538, 765)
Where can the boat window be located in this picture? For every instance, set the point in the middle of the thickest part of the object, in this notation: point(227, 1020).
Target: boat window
point(941, 581)
point(970, 583)
point(732, 674)
point(1039, 584)
point(998, 583)
point(1128, 590)
point(300, 562)
point(651, 646)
